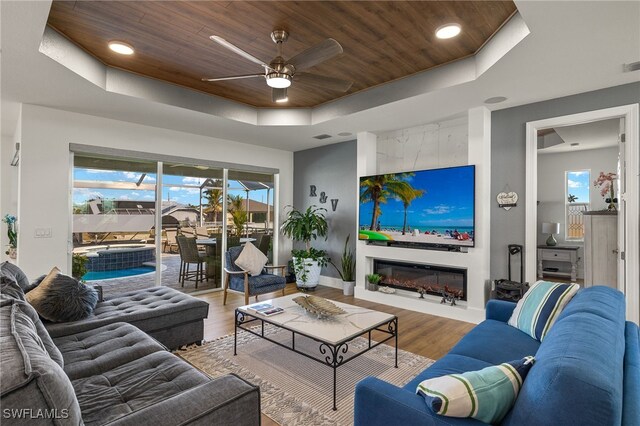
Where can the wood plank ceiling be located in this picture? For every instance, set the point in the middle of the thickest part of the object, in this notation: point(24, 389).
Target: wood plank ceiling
point(382, 40)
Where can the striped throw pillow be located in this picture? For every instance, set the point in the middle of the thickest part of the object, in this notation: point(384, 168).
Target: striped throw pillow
point(486, 395)
point(539, 308)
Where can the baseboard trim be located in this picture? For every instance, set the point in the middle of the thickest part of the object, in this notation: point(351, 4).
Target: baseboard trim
point(330, 282)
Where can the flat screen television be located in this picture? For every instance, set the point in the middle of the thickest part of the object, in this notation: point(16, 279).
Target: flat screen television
point(425, 209)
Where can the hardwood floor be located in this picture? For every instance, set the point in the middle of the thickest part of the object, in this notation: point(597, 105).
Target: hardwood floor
point(421, 334)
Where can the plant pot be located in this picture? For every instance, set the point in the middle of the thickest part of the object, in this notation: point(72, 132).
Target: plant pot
point(347, 287)
point(307, 273)
point(12, 252)
point(372, 287)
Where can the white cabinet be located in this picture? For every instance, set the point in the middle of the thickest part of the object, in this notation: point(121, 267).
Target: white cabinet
point(601, 248)
point(566, 254)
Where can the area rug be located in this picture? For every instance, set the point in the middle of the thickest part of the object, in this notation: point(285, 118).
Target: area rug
point(294, 389)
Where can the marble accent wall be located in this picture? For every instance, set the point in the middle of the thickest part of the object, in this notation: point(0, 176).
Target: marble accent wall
point(429, 146)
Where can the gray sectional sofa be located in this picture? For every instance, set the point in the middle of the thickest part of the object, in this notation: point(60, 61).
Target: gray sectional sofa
point(106, 371)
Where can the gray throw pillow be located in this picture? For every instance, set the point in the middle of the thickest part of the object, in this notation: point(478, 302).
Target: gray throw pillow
point(61, 298)
point(16, 272)
point(9, 287)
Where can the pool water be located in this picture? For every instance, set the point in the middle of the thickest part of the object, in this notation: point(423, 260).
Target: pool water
point(117, 273)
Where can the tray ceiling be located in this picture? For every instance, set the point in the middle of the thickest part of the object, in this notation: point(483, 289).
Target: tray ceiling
point(382, 40)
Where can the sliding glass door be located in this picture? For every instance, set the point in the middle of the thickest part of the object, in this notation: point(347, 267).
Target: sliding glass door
point(192, 225)
point(114, 210)
point(142, 223)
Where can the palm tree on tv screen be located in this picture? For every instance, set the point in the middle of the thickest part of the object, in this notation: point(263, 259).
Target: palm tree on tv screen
point(377, 189)
point(407, 195)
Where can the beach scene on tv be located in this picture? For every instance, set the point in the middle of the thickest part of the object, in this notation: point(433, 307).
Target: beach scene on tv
point(429, 207)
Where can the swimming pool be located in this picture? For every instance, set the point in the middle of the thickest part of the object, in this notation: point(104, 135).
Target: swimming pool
point(118, 273)
point(117, 257)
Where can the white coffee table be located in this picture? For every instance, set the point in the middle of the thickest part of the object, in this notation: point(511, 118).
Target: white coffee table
point(333, 334)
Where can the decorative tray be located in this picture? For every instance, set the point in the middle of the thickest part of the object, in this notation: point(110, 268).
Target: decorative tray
point(318, 305)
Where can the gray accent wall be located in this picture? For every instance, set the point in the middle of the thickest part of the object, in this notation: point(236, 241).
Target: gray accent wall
point(508, 158)
point(332, 169)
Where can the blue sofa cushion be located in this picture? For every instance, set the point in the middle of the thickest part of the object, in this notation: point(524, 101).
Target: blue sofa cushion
point(631, 404)
point(540, 307)
point(486, 395)
point(495, 342)
point(578, 375)
point(449, 364)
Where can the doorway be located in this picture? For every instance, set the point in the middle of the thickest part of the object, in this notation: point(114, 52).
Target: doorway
point(628, 254)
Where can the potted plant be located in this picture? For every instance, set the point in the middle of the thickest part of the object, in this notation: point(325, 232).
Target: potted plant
point(12, 235)
point(373, 280)
point(79, 266)
point(347, 269)
point(306, 226)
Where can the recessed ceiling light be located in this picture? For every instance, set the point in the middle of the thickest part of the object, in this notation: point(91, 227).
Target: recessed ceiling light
point(448, 31)
point(282, 100)
point(495, 100)
point(345, 134)
point(121, 47)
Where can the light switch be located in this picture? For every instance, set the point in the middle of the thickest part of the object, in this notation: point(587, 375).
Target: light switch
point(43, 233)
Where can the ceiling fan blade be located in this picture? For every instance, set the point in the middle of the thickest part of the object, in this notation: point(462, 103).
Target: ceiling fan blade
point(328, 83)
point(233, 77)
point(235, 49)
point(316, 54)
point(279, 95)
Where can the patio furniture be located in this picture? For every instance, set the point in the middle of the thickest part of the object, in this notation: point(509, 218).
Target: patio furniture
point(233, 241)
point(202, 232)
point(263, 244)
point(213, 257)
point(164, 239)
point(189, 254)
point(240, 281)
point(171, 240)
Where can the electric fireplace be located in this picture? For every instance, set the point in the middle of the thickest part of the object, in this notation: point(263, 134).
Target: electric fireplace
point(430, 279)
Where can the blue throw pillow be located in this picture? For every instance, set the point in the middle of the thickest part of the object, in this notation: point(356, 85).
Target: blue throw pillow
point(539, 308)
point(486, 395)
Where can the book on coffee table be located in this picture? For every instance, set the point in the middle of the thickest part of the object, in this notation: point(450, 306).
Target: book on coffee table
point(266, 309)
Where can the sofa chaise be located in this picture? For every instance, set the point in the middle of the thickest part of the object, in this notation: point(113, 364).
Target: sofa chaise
point(587, 369)
point(169, 316)
point(103, 371)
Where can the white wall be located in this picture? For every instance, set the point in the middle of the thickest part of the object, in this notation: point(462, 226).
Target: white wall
point(455, 142)
point(551, 190)
point(429, 146)
point(8, 185)
point(44, 193)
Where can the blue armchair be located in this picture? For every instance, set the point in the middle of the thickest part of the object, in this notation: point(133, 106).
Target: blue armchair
point(240, 281)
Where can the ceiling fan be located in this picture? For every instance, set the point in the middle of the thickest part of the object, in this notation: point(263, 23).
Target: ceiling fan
point(280, 73)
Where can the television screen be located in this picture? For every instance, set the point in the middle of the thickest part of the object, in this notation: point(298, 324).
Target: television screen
point(429, 207)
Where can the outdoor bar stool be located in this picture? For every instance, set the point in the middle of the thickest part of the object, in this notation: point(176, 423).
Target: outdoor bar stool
point(189, 254)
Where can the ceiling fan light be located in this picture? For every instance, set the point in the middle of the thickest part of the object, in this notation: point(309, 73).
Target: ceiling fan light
point(278, 80)
point(448, 31)
point(121, 47)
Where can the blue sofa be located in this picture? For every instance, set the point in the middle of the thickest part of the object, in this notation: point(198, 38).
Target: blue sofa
point(587, 369)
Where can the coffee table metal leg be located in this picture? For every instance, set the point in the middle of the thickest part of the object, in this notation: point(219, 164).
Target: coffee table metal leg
point(396, 333)
point(235, 334)
point(335, 408)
